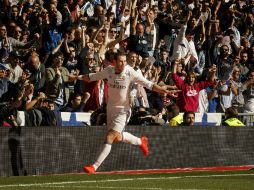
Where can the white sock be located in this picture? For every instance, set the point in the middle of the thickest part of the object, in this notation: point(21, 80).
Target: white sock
point(103, 155)
point(129, 138)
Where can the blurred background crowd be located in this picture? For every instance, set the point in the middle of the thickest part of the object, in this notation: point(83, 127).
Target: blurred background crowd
point(180, 44)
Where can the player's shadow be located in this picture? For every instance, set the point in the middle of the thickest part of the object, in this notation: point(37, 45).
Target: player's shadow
point(15, 150)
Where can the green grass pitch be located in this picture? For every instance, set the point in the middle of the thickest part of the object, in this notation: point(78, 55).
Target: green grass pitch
point(223, 180)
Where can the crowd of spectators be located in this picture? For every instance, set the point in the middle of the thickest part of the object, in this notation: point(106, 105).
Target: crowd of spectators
point(205, 48)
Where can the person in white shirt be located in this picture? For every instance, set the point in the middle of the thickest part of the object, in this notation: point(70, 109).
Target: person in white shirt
point(14, 68)
point(137, 93)
point(184, 47)
point(120, 78)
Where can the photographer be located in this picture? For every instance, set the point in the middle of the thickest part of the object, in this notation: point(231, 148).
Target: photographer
point(9, 116)
point(145, 116)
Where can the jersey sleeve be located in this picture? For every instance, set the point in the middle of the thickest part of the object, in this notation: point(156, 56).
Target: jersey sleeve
point(140, 79)
point(101, 75)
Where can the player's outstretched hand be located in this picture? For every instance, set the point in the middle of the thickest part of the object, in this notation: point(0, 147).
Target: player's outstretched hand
point(173, 93)
point(83, 77)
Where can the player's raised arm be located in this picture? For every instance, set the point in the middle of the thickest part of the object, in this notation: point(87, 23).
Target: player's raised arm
point(163, 89)
point(84, 78)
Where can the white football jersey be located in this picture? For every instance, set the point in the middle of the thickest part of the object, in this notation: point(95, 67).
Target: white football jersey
point(119, 84)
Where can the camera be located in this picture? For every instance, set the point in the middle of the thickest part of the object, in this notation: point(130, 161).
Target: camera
point(6, 111)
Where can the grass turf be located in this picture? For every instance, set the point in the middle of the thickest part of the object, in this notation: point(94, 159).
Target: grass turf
point(227, 180)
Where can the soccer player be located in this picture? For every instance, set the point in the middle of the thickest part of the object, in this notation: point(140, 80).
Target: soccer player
point(119, 79)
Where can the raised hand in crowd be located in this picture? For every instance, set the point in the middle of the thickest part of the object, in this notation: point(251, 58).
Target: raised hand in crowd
point(5, 73)
point(250, 81)
point(189, 14)
point(212, 73)
point(232, 86)
point(36, 101)
point(29, 90)
point(6, 42)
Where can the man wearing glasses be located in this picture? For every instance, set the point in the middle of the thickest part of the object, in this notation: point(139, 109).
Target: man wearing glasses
point(8, 43)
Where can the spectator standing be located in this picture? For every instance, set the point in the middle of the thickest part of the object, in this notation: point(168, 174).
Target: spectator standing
point(7, 44)
point(244, 66)
point(152, 28)
point(230, 93)
point(139, 39)
point(188, 98)
point(167, 79)
point(98, 91)
point(237, 100)
point(14, 68)
point(52, 29)
point(138, 93)
point(248, 93)
point(224, 62)
point(57, 78)
point(71, 63)
point(37, 70)
point(14, 90)
point(184, 47)
point(213, 98)
point(85, 66)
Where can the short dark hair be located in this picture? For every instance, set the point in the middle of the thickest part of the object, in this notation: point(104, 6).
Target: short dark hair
point(73, 96)
point(71, 44)
point(58, 54)
point(231, 112)
point(120, 53)
point(189, 32)
point(2, 25)
point(110, 54)
point(173, 110)
point(49, 101)
point(188, 113)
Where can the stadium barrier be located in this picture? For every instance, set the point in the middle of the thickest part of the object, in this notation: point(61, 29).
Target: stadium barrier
point(247, 118)
point(54, 150)
point(202, 119)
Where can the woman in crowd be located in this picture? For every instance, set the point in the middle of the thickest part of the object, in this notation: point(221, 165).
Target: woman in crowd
point(188, 98)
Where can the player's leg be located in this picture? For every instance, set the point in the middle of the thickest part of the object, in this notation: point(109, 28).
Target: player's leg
point(115, 123)
point(106, 148)
point(131, 139)
point(111, 136)
point(141, 142)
